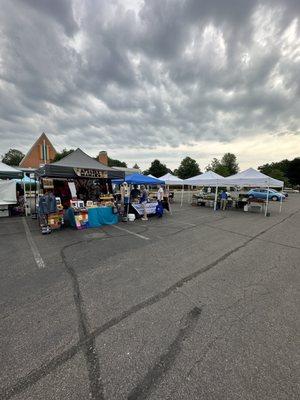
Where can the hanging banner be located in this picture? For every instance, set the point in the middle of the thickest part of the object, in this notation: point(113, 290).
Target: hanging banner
point(48, 183)
point(90, 173)
point(150, 208)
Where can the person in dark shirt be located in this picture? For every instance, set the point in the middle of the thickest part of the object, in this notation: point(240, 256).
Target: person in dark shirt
point(135, 192)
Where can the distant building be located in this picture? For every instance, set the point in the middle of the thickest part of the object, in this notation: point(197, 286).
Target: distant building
point(41, 152)
point(128, 171)
point(103, 159)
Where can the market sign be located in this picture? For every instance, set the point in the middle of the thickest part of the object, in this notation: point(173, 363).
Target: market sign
point(90, 173)
point(48, 183)
point(150, 208)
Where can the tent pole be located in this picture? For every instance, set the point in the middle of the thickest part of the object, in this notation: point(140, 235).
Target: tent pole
point(169, 204)
point(25, 200)
point(216, 197)
point(182, 190)
point(280, 206)
point(267, 203)
point(128, 200)
point(30, 192)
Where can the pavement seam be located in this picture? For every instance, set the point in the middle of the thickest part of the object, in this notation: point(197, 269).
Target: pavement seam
point(33, 247)
point(165, 362)
point(89, 348)
point(34, 376)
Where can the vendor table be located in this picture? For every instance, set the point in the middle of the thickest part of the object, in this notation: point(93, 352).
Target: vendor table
point(97, 216)
point(150, 208)
point(138, 209)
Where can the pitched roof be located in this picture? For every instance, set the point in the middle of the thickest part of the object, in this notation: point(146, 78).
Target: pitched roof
point(208, 178)
point(79, 159)
point(6, 171)
point(252, 177)
point(171, 179)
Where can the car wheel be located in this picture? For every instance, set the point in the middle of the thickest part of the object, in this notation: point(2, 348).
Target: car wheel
point(274, 198)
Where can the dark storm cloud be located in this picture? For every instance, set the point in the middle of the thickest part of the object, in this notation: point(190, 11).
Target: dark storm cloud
point(103, 74)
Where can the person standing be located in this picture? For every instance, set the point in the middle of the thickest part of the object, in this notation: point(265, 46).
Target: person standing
point(144, 201)
point(135, 193)
point(224, 198)
point(160, 195)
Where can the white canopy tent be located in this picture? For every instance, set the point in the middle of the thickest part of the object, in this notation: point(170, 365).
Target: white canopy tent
point(172, 180)
point(253, 178)
point(8, 172)
point(208, 178)
point(8, 192)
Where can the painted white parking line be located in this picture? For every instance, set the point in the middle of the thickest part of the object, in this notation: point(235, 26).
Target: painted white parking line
point(36, 254)
point(131, 233)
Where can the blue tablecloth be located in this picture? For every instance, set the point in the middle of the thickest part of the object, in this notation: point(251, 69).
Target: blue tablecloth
point(101, 216)
point(98, 216)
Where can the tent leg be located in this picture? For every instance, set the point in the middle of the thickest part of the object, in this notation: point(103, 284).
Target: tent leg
point(280, 206)
point(30, 194)
point(267, 203)
point(216, 197)
point(25, 200)
point(190, 194)
point(181, 201)
point(128, 200)
point(168, 197)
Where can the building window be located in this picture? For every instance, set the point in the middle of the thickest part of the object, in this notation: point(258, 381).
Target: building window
point(44, 152)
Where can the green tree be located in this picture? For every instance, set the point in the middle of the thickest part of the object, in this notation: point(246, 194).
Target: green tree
point(277, 170)
point(12, 157)
point(226, 166)
point(188, 168)
point(136, 166)
point(62, 154)
point(157, 169)
point(116, 163)
point(217, 167)
point(230, 163)
point(293, 172)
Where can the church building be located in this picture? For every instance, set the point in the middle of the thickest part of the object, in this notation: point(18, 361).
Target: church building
point(41, 152)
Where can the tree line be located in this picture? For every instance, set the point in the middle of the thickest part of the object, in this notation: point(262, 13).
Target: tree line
point(285, 170)
point(189, 167)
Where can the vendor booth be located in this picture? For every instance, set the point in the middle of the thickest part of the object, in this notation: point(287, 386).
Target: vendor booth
point(207, 179)
point(255, 179)
point(77, 189)
point(172, 180)
point(10, 196)
point(131, 202)
point(249, 178)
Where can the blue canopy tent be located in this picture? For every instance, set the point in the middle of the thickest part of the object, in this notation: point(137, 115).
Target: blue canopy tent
point(139, 179)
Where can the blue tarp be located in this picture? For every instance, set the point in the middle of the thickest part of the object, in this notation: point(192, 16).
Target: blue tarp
point(26, 179)
point(97, 216)
point(139, 179)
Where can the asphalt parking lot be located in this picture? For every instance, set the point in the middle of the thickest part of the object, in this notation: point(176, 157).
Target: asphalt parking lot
point(197, 305)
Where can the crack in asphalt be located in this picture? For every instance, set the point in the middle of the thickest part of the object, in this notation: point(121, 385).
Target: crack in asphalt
point(155, 375)
point(89, 349)
point(87, 340)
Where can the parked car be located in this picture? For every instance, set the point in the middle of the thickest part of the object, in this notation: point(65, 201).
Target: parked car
point(262, 194)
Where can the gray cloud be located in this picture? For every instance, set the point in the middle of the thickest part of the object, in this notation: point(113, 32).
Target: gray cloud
point(146, 74)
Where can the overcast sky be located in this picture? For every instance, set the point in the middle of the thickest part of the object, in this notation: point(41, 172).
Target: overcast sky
point(152, 79)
